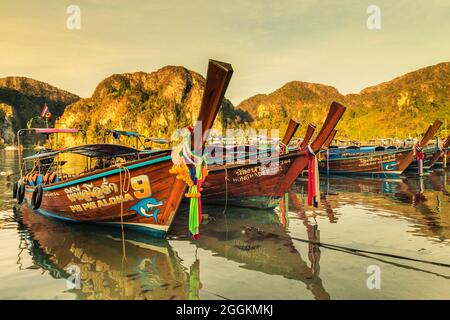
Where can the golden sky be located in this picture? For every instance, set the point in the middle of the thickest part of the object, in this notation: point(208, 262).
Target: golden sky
point(268, 42)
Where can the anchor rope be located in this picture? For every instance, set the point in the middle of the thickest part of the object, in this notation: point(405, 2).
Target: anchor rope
point(123, 190)
point(353, 250)
point(226, 190)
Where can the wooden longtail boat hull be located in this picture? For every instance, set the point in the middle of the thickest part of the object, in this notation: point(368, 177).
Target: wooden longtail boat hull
point(142, 195)
point(149, 203)
point(440, 160)
point(430, 158)
point(382, 163)
point(439, 156)
point(300, 163)
point(387, 163)
point(250, 185)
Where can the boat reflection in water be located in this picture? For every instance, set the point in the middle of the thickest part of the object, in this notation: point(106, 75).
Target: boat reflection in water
point(259, 243)
point(245, 253)
point(139, 267)
point(422, 200)
point(109, 267)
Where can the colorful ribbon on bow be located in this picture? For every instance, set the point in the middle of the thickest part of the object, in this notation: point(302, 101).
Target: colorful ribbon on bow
point(420, 156)
point(313, 178)
point(282, 148)
point(194, 175)
point(198, 175)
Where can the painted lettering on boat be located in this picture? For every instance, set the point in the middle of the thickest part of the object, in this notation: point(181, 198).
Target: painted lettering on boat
point(369, 161)
point(87, 192)
point(108, 194)
point(101, 203)
point(52, 194)
point(245, 174)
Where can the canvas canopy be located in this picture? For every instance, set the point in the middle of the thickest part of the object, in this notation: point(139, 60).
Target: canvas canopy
point(92, 151)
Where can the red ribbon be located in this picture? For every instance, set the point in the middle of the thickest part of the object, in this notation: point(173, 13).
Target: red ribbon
point(420, 155)
point(312, 196)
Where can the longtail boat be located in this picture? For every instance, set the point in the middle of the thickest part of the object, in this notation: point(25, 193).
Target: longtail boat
point(440, 158)
point(334, 115)
point(431, 155)
point(254, 183)
point(375, 161)
point(139, 193)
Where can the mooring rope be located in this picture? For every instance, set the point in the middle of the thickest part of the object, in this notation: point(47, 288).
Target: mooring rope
point(390, 255)
point(226, 190)
point(122, 191)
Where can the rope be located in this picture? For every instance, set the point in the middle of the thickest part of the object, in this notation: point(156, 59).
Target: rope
point(353, 250)
point(226, 191)
point(122, 191)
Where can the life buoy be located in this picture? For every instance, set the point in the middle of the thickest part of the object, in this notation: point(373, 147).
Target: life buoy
point(20, 193)
point(14, 191)
point(36, 198)
point(34, 177)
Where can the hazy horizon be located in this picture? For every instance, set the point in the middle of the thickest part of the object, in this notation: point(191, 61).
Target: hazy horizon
point(268, 44)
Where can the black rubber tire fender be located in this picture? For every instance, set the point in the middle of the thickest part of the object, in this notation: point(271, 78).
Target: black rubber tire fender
point(36, 198)
point(15, 188)
point(20, 193)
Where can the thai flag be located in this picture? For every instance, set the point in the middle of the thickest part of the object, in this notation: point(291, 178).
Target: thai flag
point(44, 110)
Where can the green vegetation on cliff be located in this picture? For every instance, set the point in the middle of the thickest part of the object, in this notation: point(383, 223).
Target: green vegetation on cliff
point(154, 104)
point(22, 99)
point(401, 107)
point(159, 102)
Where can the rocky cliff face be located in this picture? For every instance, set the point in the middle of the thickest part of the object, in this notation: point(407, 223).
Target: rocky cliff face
point(157, 103)
point(303, 101)
point(154, 104)
point(23, 98)
point(403, 106)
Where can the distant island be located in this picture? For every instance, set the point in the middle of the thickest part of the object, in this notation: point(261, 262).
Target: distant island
point(158, 102)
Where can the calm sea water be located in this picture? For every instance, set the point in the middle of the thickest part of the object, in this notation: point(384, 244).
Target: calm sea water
point(244, 253)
